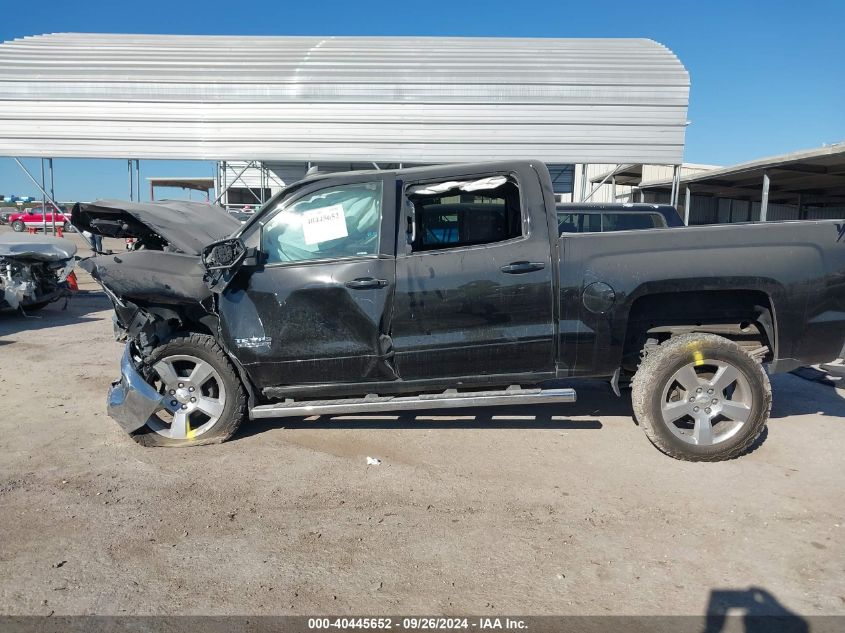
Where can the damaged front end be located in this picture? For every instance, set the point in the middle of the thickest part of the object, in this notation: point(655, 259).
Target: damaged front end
point(35, 271)
point(157, 291)
point(132, 401)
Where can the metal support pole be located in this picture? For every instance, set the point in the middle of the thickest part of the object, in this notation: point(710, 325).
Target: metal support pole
point(52, 191)
point(129, 169)
point(687, 205)
point(672, 190)
point(235, 179)
point(34, 181)
point(263, 181)
point(224, 185)
point(138, 179)
point(800, 204)
point(764, 202)
point(676, 184)
point(583, 195)
point(603, 180)
point(613, 188)
point(43, 200)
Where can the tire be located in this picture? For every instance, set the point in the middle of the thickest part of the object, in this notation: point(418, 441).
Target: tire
point(18, 226)
point(222, 388)
point(721, 411)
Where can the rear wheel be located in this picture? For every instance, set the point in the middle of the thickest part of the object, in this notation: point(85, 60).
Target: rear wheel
point(700, 397)
point(18, 226)
point(204, 398)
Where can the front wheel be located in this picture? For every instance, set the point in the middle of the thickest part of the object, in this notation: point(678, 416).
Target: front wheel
point(700, 397)
point(204, 399)
point(18, 226)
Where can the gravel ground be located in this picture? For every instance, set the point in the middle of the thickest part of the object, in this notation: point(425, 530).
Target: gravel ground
point(539, 510)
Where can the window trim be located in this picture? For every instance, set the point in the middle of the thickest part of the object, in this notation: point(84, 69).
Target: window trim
point(407, 250)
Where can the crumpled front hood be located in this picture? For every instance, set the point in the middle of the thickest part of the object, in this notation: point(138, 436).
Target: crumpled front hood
point(34, 248)
point(186, 226)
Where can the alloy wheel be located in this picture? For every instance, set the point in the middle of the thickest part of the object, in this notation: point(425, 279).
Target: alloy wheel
point(194, 397)
point(706, 402)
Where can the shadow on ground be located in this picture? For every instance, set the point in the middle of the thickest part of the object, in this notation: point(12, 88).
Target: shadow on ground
point(792, 396)
point(54, 315)
point(805, 394)
point(758, 610)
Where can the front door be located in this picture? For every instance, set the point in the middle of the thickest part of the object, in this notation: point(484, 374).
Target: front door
point(474, 293)
point(317, 312)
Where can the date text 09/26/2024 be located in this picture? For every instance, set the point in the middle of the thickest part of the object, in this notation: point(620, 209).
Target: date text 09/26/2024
point(417, 623)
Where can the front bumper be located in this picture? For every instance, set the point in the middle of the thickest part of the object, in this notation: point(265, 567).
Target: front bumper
point(131, 399)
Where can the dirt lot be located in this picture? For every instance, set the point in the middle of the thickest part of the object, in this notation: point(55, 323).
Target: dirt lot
point(566, 511)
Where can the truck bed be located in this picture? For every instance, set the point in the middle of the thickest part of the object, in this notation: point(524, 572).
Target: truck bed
point(798, 265)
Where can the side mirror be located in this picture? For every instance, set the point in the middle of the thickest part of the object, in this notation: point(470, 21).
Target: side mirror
point(223, 255)
point(223, 259)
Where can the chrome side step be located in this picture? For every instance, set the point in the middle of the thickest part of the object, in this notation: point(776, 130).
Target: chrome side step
point(449, 399)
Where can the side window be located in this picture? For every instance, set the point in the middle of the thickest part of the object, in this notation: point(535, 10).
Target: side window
point(342, 221)
point(578, 222)
point(465, 213)
point(631, 221)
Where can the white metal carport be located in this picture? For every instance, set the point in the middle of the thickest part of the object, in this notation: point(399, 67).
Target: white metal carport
point(341, 99)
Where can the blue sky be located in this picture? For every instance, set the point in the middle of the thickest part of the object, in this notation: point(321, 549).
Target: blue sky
point(767, 77)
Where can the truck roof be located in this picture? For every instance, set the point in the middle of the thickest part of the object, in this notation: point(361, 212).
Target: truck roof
point(430, 171)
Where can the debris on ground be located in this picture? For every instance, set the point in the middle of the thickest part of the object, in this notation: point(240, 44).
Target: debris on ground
point(373, 461)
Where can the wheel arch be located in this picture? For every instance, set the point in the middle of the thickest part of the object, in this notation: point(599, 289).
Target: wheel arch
point(186, 319)
point(243, 374)
point(738, 314)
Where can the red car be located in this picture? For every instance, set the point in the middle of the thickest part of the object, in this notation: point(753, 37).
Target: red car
point(34, 219)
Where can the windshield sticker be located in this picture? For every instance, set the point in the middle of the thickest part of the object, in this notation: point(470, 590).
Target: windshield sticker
point(322, 225)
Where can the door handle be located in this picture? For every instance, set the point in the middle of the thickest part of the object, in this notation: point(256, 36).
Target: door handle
point(363, 283)
point(517, 268)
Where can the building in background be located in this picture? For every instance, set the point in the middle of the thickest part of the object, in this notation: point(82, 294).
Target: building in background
point(803, 185)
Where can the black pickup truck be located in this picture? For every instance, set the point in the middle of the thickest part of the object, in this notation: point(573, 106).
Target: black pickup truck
point(452, 286)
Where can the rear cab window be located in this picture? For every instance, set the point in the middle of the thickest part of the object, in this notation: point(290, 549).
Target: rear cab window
point(631, 221)
point(463, 213)
point(606, 221)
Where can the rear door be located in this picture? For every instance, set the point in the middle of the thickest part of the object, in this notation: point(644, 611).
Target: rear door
point(317, 312)
point(474, 279)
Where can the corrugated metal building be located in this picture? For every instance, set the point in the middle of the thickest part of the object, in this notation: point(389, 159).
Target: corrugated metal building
point(803, 185)
point(336, 100)
point(383, 99)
